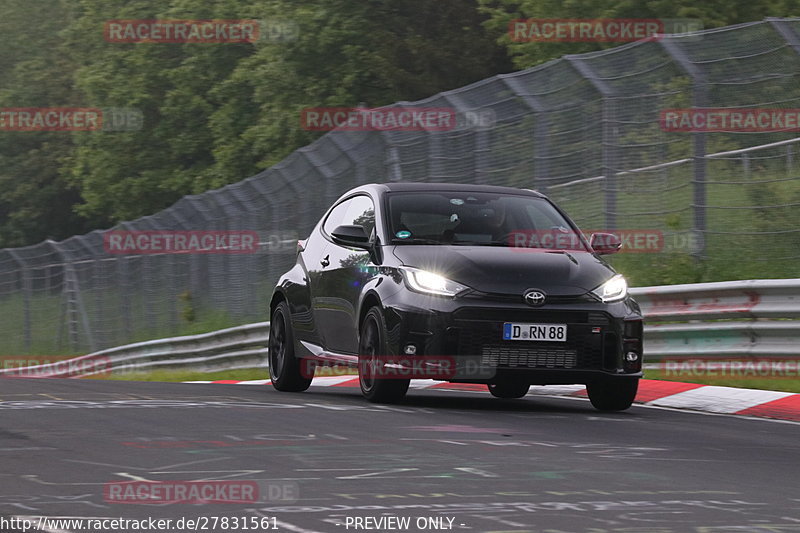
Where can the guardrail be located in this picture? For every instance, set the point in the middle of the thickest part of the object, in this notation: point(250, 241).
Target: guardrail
point(227, 349)
point(724, 320)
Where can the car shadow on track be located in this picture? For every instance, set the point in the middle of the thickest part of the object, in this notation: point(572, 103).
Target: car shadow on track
point(450, 400)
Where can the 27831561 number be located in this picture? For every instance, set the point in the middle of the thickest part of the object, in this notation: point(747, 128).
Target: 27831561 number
point(235, 523)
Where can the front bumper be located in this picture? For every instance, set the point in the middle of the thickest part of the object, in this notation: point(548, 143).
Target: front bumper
point(604, 341)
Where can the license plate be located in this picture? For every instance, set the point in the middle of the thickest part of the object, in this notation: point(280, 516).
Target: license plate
point(514, 331)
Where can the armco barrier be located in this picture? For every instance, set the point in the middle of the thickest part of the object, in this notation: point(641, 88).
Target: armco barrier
point(227, 349)
point(731, 319)
point(761, 298)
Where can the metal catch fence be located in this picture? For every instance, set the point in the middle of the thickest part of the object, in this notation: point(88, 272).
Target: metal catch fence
point(584, 129)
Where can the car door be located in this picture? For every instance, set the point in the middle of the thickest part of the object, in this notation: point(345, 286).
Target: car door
point(341, 280)
point(313, 259)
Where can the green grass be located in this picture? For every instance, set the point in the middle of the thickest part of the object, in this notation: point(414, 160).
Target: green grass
point(662, 202)
point(784, 385)
point(247, 374)
point(183, 375)
point(49, 337)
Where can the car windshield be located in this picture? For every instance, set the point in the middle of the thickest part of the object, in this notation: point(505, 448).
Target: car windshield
point(479, 218)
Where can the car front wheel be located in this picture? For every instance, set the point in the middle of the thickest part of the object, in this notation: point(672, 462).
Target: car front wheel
point(376, 386)
point(285, 370)
point(613, 395)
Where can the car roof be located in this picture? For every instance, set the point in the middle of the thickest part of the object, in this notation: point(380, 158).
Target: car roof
point(406, 186)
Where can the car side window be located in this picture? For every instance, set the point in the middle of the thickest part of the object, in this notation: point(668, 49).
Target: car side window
point(361, 213)
point(337, 216)
point(544, 217)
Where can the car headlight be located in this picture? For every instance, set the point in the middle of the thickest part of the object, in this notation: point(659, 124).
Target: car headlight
point(431, 283)
point(612, 290)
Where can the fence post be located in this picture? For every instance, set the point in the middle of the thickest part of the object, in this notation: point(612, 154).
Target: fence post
point(321, 168)
point(435, 157)
point(392, 162)
point(787, 31)
point(26, 299)
point(266, 253)
point(197, 269)
point(481, 142)
point(221, 270)
point(337, 138)
point(541, 128)
point(304, 219)
point(76, 311)
point(791, 36)
point(700, 100)
point(609, 140)
point(123, 280)
point(746, 165)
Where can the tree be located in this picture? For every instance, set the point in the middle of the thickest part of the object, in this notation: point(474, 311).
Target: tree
point(35, 203)
point(345, 53)
point(712, 13)
point(124, 175)
point(216, 114)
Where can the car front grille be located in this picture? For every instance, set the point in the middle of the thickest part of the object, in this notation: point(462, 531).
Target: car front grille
point(519, 357)
point(480, 335)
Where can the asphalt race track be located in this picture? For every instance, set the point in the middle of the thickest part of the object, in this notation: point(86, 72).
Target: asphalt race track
point(448, 460)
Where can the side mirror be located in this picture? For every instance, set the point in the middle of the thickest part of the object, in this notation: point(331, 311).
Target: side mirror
point(605, 243)
point(353, 236)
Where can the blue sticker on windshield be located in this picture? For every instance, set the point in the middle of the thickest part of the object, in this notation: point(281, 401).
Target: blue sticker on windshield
point(457, 201)
point(403, 234)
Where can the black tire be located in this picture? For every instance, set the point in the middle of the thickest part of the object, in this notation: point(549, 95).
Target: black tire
point(371, 346)
point(508, 390)
point(284, 368)
point(613, 395)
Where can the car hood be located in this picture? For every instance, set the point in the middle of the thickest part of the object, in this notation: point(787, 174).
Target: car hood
point(508, 270)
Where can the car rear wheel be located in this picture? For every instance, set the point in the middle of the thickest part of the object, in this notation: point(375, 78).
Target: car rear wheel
point(508, 390)
point(371, 360)
point(285, 369)
point(613, 395)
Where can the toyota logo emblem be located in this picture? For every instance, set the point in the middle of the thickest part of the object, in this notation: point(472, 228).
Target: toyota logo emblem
point(534, 297)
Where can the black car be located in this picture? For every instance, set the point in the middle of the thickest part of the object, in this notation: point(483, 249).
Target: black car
point(459, 283)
